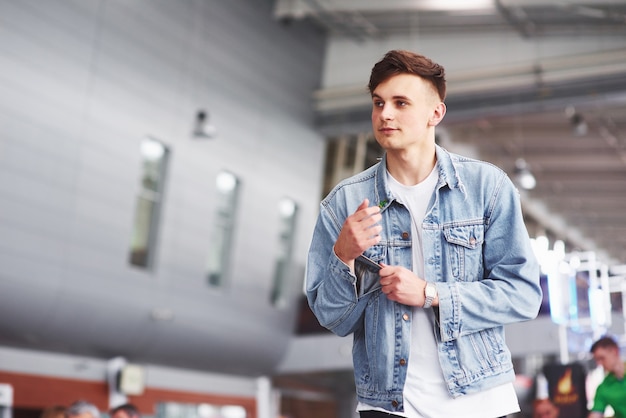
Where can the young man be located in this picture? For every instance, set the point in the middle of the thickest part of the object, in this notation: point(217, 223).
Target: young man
point(612, 390)
point(544, 408)
point(454, 262)
point(82, 409)
point(126, 410)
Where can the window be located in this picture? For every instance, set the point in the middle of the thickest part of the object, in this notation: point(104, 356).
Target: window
point(203, 410)
point(143, 241)
point(218, 265)
point(347, 155)
point(287, 210)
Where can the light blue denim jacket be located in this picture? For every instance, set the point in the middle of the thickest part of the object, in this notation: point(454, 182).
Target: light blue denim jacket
point(476, 251)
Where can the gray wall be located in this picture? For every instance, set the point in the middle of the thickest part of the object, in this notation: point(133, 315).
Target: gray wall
point(82, 82)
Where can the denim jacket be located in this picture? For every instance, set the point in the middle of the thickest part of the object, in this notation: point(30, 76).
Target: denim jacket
point(477, 252)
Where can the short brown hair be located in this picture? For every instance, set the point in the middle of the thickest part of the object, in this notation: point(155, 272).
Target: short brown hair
point(604, 342)
point(130, 409)
point(406, 62)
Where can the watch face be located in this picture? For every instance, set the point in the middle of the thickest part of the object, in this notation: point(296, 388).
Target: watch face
point(431, 291)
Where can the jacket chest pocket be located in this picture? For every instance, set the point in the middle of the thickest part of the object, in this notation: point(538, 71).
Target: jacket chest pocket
point(464, 249)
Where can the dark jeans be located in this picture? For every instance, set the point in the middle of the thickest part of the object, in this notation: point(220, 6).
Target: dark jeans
point(378, 414)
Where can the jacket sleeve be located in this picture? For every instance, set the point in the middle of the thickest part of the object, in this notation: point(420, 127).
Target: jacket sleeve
point(509, 290)
point(330, 285)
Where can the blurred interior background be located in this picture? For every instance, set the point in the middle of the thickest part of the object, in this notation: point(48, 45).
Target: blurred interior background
point(162, 162)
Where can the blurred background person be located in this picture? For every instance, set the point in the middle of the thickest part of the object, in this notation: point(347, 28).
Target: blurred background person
point(544, 408)
point(126, 410)
point(612, 390)
point(82, 409)
point(55, 411)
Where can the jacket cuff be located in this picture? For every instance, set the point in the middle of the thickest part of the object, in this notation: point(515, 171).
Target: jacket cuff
point(449, 311)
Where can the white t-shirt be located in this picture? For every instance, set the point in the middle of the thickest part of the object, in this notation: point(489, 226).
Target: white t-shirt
point(425, 392)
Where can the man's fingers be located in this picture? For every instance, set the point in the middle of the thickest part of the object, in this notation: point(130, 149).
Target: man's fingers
point(364, 204)
point(364, 211)
point(371, 220)
point(366, 208)
point(359, 232)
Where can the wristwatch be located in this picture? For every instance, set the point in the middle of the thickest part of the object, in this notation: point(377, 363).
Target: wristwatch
point(430, 292)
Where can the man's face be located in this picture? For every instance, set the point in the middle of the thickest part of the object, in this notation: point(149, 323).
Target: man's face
point(607, 357)
point(545, 410)
point(405, 108)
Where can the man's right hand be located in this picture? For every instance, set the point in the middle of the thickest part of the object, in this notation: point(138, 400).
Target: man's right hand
point(359, 232)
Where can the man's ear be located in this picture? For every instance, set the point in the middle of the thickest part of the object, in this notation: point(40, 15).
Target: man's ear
point(438, 113)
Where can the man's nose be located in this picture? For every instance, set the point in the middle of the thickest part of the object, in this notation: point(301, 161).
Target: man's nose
point(386, 113)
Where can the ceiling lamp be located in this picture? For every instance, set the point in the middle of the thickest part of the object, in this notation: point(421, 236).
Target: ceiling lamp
point(523, 176)
point(201, 128)
point(579, 124)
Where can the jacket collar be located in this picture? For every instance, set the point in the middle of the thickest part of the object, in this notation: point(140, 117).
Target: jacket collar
point(448, 175)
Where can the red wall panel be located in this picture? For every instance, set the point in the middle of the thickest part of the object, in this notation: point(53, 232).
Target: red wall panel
point(38, 392)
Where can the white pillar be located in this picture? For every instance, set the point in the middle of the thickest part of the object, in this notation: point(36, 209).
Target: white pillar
point(113, 369)
point(6, 400)
point(266, 399)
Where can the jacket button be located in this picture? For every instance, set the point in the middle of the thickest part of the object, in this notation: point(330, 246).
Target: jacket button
point(405, 235)
point(405, 317)
point(472, 241)
point(402, 362)
point(394, 403)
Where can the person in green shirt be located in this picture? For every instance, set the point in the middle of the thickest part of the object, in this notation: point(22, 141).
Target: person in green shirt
point(612, 390)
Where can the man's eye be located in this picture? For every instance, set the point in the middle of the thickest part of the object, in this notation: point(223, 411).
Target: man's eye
point(401, 103)
point(378, 104)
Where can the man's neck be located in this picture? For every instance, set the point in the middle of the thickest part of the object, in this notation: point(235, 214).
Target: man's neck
point(619, 371)
point(411, 166)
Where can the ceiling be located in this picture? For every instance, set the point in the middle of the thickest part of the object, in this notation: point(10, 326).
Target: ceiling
point(365, 19)
point(580, 195)
point(580, 192)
